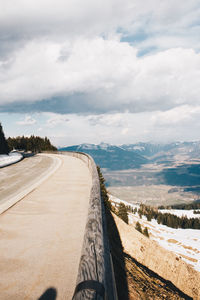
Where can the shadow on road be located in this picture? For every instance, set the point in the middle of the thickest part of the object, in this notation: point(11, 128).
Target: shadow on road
point(49, 294)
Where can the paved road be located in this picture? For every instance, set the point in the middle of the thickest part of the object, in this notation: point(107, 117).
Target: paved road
point(41, 236)
point(18, 180)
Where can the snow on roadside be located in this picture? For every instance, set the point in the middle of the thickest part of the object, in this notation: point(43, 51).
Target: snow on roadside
point(183, 242)
point(6, 160)
point(116, 200)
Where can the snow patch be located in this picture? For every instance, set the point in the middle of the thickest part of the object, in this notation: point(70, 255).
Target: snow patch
point(11, 158)
point(181, 212)
point(185, 243)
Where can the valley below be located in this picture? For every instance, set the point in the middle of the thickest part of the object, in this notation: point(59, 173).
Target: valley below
point(164, 265)
point(159, 183)
point(156, 184)
point(154, 174)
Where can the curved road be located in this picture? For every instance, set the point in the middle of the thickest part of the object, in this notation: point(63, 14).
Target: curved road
point(18, 180)
point(41, 236)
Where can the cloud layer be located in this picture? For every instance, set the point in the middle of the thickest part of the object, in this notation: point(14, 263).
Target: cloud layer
point(100, 76)
point(110, 57)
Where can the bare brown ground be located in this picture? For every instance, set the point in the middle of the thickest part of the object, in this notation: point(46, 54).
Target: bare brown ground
point(189, 258)
point(41, 236)
point(143, 284)
point(172, 241)
point(146, 256)
point(134, 280)
point(190, 248)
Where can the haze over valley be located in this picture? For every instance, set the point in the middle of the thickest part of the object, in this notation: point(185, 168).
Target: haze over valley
point(154, 174)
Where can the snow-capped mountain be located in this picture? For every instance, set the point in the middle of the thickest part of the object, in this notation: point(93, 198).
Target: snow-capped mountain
point(134, 155)
point(110, 156)
point(154, 151)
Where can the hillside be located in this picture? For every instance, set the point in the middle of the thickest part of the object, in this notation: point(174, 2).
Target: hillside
point(130, 156)
point(152, 262)
point(166, 152)
point(109, 156)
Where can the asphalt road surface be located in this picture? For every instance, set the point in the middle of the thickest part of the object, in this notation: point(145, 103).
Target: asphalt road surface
point(41, 235)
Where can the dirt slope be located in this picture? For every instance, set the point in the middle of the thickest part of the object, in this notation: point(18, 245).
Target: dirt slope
point(166, 264)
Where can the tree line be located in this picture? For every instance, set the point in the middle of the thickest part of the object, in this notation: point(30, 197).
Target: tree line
point(33, 143)
point(4, 149)
point(149, 212)
point(188, 206)
point(168, 219)
point(121, 211)
point(139, 228)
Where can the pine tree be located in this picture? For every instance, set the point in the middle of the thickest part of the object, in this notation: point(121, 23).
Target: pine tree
point(32, 143)
point(146, 232)
point(104, 193)
point(135, 210)
point(3, 143)
point(138, 227)
point(122, 212)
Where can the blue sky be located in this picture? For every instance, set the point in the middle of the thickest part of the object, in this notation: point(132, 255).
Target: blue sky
point(111, 71)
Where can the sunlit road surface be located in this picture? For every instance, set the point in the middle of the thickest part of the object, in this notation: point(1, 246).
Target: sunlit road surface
point(41, 236)
point(18, 180)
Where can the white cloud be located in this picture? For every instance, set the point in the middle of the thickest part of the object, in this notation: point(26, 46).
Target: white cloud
point(177, 115)
point(28, 121)
point(54, 15)
point(59, 20)
point(56, 119)
point(115, 120)
point(107, 72)
point(125, 131)
point(173, 125)
point(67, 56)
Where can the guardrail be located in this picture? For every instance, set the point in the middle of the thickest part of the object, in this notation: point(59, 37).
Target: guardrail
point(95, 278)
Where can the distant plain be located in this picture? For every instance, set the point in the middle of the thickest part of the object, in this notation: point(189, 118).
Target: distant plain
point(156, 184)
point(154, 174)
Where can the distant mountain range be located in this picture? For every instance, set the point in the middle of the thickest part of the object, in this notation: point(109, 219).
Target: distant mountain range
point(191, 149)
point(134, 155)
point(110, 156)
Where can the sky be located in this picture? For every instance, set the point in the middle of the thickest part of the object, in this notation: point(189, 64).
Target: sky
point(114, 71)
